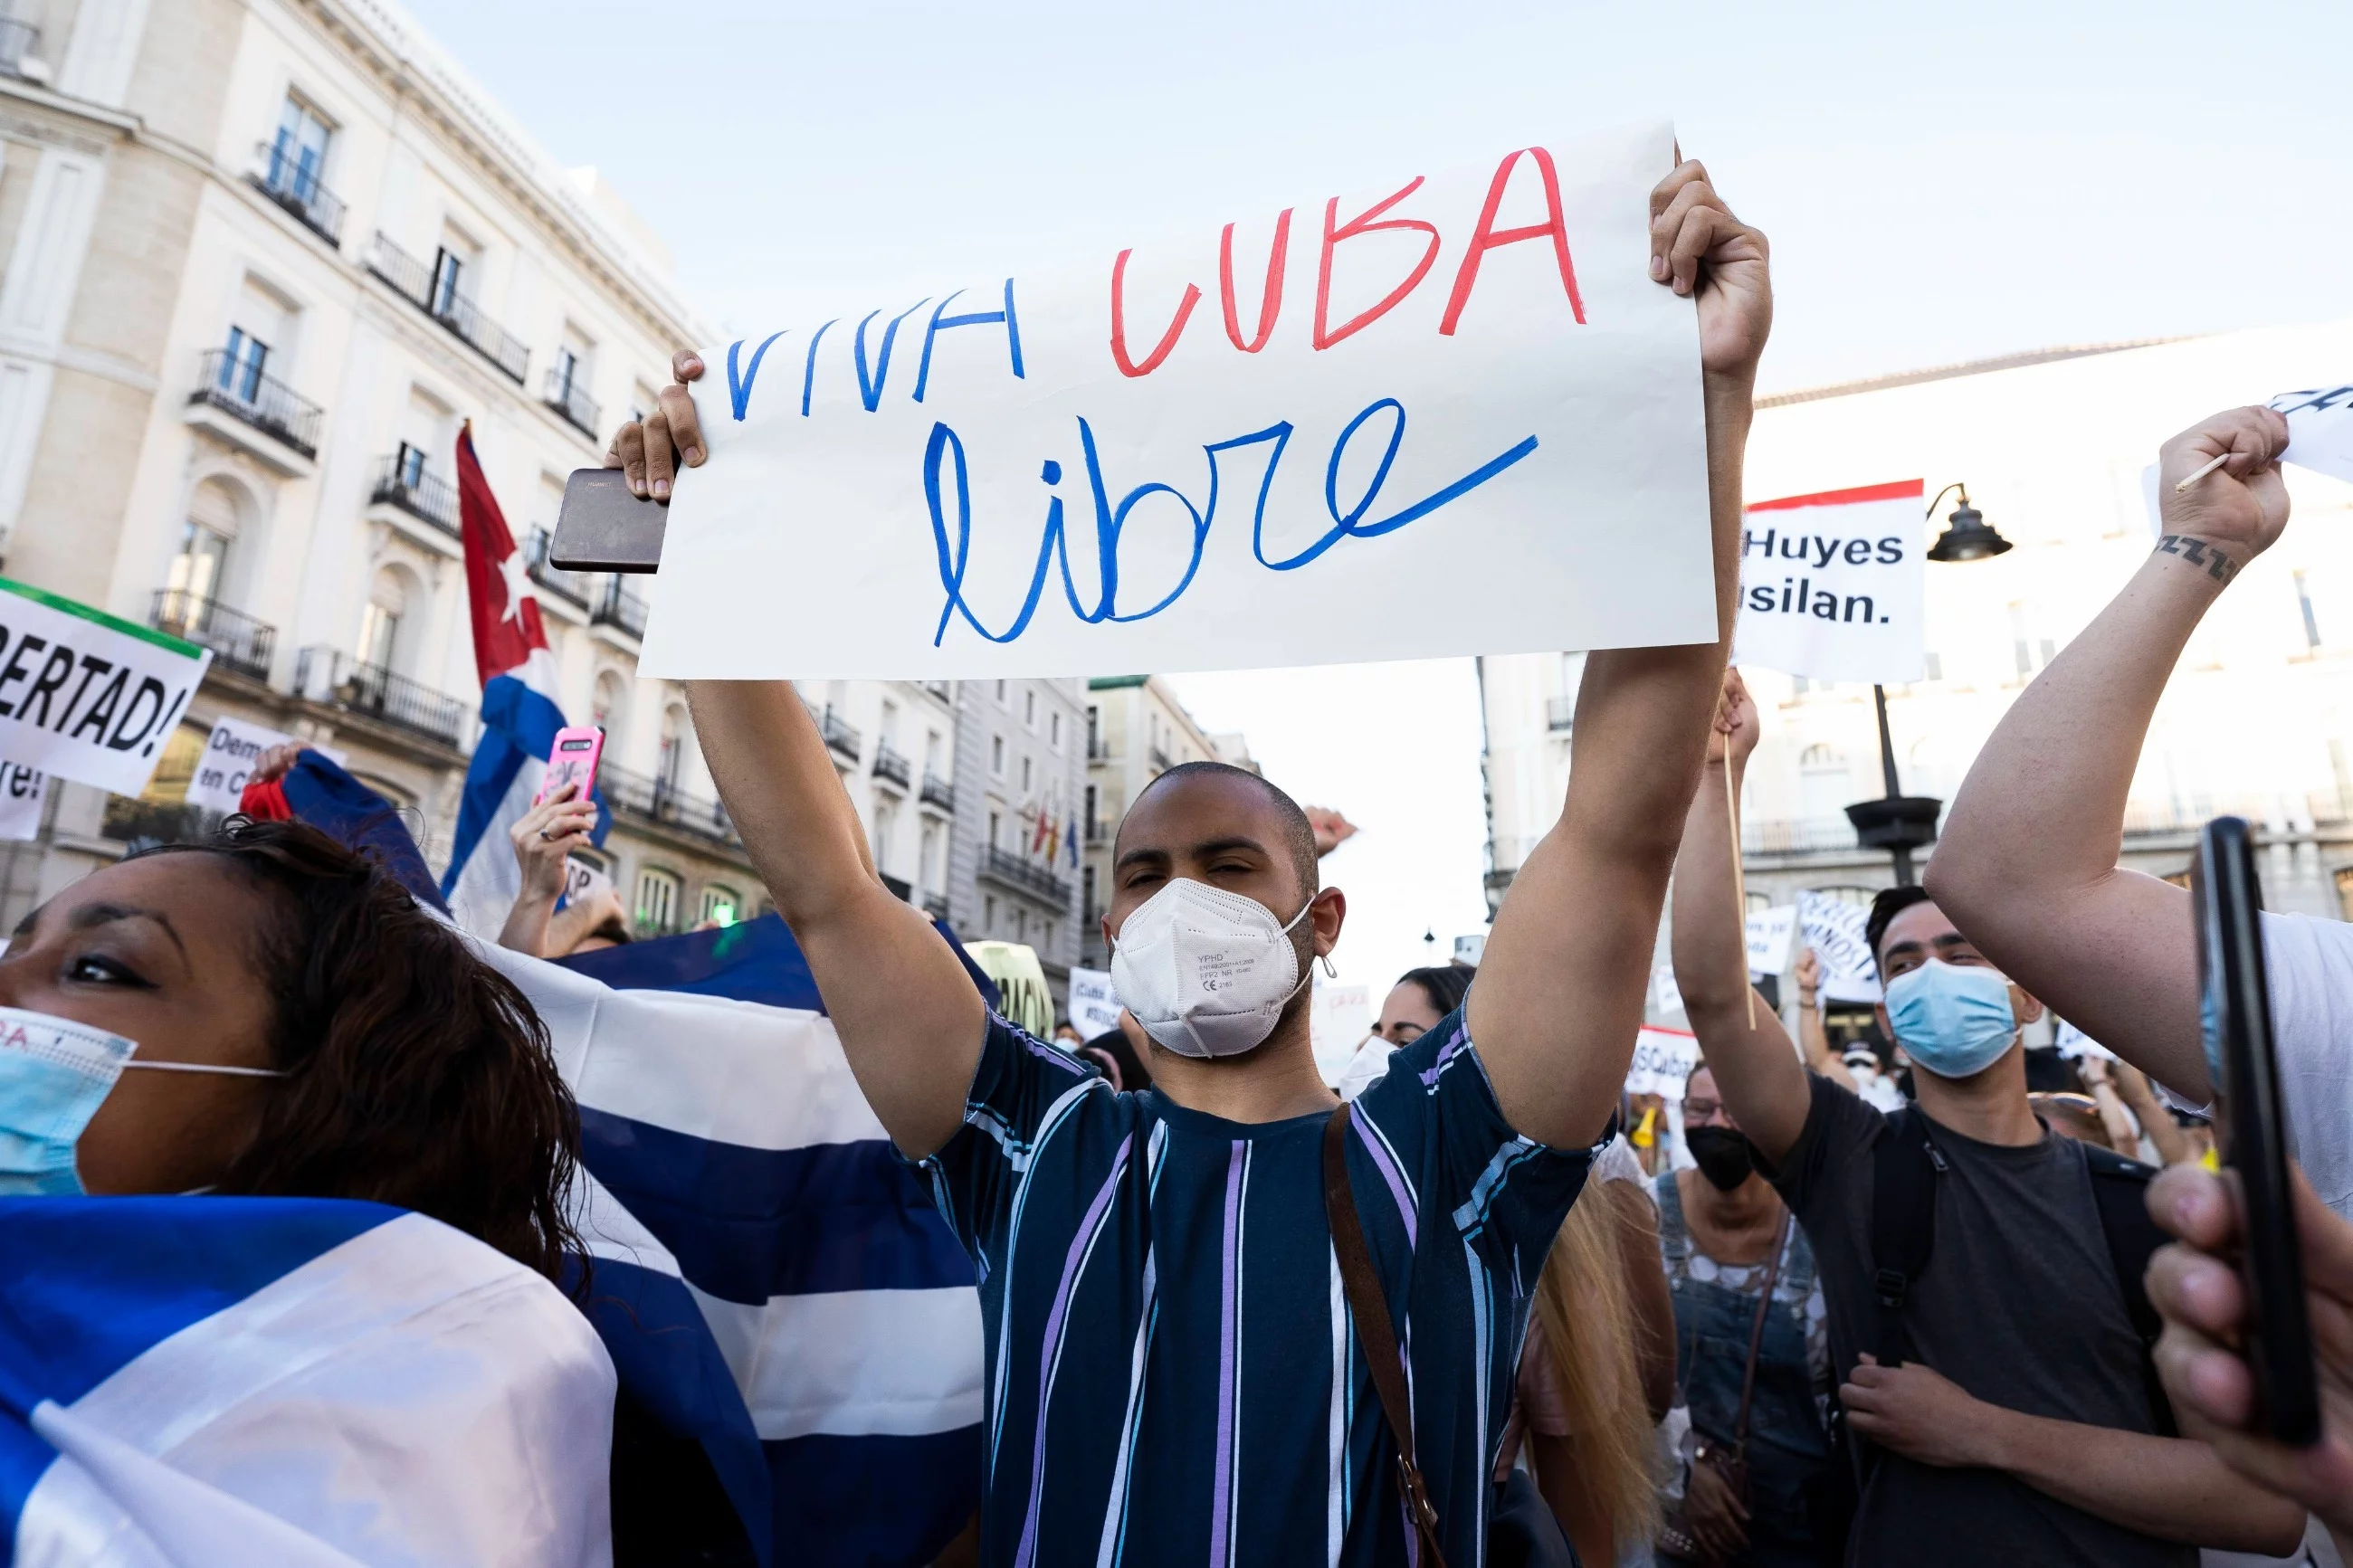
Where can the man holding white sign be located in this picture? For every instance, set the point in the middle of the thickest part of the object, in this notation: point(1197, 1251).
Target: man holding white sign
point(1160, 1275)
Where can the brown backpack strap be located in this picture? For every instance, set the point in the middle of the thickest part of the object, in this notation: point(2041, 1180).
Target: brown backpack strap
point(1368, 1309)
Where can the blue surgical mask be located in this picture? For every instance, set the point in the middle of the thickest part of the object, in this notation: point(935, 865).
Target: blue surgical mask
point(54, 1074)
point(1952, 1020)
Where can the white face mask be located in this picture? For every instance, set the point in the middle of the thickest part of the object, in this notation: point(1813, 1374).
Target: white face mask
point(1206, 971)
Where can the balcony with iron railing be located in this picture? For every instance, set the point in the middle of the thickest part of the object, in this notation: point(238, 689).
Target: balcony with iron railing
point(567, 393)
point(892, 764)
point(283, 174)
point(1024, 876)
point(1098, 749)
point(403, 481)
point(19, 42)
point(239, 641)
point(1560, 713)
point(839, 733)
point(619, 607)
point(662, 802)
point(432, 291)
point(1159, 760)
point(330, 677)
point(576, 586)
point(938, 792)
point(233, 383)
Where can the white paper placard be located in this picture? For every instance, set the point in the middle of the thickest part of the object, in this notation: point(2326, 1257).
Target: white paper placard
point(230, 752)
point(1833, 930)
point(2074, 1045)
point(1769, 932)
point(87, 696)
point(1665, 996)
point(1457, 404)
point(1830, 584)
point(1094, 1010)
point(23, 792)
point(2319, 429)
point(583, 880)
point(1664, 1060)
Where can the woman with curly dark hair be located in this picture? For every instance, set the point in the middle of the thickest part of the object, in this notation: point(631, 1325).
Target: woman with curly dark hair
point(371, 1053)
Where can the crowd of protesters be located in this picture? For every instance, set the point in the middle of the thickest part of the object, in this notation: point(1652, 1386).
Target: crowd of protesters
point(1892, 1306)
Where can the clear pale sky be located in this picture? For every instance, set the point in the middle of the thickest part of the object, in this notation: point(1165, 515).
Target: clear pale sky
point(1938, 185)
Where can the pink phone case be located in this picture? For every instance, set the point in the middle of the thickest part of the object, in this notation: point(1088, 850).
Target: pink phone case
point(573, 759)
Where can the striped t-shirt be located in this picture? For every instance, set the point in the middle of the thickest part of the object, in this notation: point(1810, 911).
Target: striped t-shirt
point(1172, 1376)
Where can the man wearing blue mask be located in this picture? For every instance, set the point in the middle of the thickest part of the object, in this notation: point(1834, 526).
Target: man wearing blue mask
point(1982, 1272)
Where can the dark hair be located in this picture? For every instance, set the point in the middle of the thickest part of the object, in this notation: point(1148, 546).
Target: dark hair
point(1889, 903)
point(1114, 1043)
point(1298, 834)
point(1445, 984)
point(421, 1076)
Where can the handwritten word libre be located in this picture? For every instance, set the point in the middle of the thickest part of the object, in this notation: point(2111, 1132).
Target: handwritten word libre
point(879, 340)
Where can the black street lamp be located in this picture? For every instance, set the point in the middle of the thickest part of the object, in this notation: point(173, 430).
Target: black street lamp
point(1900, 822)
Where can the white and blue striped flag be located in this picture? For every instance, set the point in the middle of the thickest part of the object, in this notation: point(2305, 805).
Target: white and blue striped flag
point(212, 1383)
point(764, 1266)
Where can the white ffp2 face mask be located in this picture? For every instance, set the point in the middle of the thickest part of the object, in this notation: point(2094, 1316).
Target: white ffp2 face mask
point(1206, 971)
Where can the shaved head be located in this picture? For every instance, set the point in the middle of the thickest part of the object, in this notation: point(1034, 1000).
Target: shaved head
point(1296, 837)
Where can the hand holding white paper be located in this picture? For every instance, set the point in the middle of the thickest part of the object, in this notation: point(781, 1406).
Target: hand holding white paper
point(1458, 405)
point(2319, 429)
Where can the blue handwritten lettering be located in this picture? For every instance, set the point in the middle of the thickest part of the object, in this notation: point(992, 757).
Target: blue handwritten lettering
point(808, 371)
point(941, 323)
point(1111, 520)
point(739, 388)
point(870, 389)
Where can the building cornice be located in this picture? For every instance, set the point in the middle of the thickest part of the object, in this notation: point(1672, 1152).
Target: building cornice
point(1965, 367)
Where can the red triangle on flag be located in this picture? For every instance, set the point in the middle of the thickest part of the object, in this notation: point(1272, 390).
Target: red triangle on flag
point(507, 628)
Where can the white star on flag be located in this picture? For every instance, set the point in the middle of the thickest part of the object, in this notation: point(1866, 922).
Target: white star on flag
point(517, 581)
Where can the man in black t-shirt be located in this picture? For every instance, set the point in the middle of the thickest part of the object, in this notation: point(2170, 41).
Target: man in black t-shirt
point(2019, 1426)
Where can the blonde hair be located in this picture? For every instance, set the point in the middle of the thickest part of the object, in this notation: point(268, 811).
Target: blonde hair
point(1587, 1313)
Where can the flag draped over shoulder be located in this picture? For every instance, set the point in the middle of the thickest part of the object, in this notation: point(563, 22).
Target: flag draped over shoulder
point(317, 791)
point(203, 1383)
point(763, 1260)
point(520, 714)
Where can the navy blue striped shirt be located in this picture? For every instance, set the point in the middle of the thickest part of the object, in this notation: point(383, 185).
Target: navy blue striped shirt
point(1172, 1376)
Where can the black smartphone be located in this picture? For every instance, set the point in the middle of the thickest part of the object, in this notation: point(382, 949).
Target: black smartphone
point(603, 526)
point(2250, 1131)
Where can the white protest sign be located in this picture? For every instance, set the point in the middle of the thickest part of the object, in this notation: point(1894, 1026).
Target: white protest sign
point(583, 880)
point(23, 792)
point(1830, 584)
point(1833, 930)
point(1769, 932)
point(2075, 1044)
point(1665, 996)
point(1094, 1010)
point(2319, 429)
point(1338, 1019)
point(1457, 404)
point(1663, 1059)
point(230, 752)
point(87, 696)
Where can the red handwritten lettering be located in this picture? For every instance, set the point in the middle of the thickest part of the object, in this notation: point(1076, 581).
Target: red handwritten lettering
point(1270, 301)
point(1363, 222)
point(1119, 323)
point(1487, 236)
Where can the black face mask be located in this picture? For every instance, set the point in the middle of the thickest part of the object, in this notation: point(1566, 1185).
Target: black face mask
point(1724, 1157)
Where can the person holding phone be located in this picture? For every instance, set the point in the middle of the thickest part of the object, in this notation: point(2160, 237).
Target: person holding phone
point(543, 837)
point(1177, 1372)
point(2000, 1387)
point(2027, 861)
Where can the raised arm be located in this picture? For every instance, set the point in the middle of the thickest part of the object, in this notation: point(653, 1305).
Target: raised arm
point(1561, 989)
point(909, 1018)
point(2027, 865)
point(1756, 1068)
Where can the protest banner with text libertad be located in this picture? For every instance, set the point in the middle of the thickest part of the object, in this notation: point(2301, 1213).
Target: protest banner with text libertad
point(1456, 405)
point(85, 696)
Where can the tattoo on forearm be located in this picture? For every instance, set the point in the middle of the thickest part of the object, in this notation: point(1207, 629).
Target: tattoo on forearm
point(2198, 553)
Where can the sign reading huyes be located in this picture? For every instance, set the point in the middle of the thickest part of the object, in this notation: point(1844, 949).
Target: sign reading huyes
point(87, 696)
point(1830, 584)
point(1454, 407)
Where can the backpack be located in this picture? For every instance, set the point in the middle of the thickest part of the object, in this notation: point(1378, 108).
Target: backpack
point(1905, 1164)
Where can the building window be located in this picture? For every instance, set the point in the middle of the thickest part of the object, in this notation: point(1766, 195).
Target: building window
point(572, 362)
point(1091, 811)
point(2304, 603)
point(1094, 730)
point(240, 367)
point(380, 622)
point(658, 898)
point(1030, 708)
point(996, 828)
point(997, 755)
point(1020, 925)
point(721, 906)
point(1087, 893)
point(886, 823)
point(198, 569)
point(989, 914)
point(1054, 729)
point(300, 151)
point(452, 259)
point(1027, 773)
point(1047, 941)
point(669, 760)
point(1002, 690)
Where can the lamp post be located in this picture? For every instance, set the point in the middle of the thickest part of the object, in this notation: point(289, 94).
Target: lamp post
point(1896, 822)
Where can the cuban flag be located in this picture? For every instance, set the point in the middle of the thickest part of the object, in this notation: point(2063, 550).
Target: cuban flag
point(519, 715)
point(209, 1382)
point(763, 1262)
